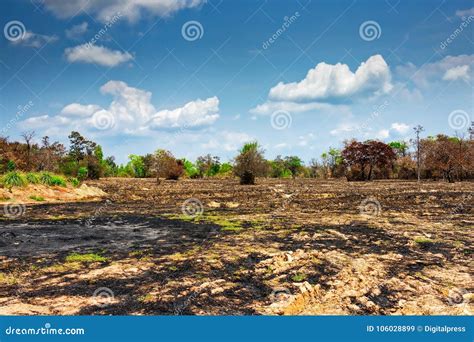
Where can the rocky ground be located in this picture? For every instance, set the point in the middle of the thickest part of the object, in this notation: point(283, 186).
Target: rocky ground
point(214, 247)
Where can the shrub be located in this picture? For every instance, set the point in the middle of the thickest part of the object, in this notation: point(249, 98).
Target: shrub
point(58, 181)
point(11, 166)
point(46, 178)
point(14, 178)
point(167, 166)
point(37, 198)
point(74, 181)
point(250, 163)
point(32, 178)
point(190, 169)
point(82, 173)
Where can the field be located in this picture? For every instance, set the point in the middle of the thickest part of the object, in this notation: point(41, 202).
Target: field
point(214, 247)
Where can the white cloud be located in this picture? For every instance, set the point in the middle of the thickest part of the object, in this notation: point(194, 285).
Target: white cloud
point(270, 107)
point(192, 114)
point(430, 73)
point(77, 31)
point(457, 73)
point(130, 112)
point(400, 128)
point(344, 128)
point(382, 134)
point(227, 141)
point(88, 53)
point(326, 82)
point(76, 109)
point(130, 9)
point(35, 40)
point(465, 13)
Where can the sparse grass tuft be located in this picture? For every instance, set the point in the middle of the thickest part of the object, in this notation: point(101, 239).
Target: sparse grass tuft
point(14, 178)
point(423, 240)
point(74, 182)
point(37, 198)
point(299, 277)
point(86, 258)
point(46, 178)
point(32, 178)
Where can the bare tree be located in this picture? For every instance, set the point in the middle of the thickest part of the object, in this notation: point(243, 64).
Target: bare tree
point(418, 129)
point(28, 137)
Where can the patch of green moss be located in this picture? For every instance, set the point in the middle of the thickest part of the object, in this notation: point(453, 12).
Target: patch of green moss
point(299, 277)
point(85, 258)
point(37, 198)
point(423, 240)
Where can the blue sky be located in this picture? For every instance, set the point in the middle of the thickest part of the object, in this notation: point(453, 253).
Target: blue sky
point(196, 76)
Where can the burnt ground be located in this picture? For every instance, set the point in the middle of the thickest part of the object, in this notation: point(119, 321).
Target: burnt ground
point(279, 247)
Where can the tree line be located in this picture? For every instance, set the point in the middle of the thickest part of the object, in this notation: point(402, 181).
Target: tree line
point(450, 158)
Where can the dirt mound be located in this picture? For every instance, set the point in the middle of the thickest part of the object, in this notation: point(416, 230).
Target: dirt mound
point(42, 193)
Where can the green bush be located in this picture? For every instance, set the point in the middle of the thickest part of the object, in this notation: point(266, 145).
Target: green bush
point(32, 178)
point(82, 173)
point(11, 166)
point(37, 198)
point(52, 180)
point(74, 181)
point(13, 178)
point(58, 181)
point(46, 178)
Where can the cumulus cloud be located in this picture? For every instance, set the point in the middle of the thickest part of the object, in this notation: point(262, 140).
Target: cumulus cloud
point(132, 10)
point(35, 40)
point(326, 82)
point(194, 113)
point(88, 53)
point(460, 72)
point(228, 141)
point(77, 31)
point(130, 112)
point(76, 109)
point(430, 73)
point(400, 128)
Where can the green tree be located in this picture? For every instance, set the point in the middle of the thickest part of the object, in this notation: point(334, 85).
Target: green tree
point(250, 163)
point(294, 164)
point(136, 165)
